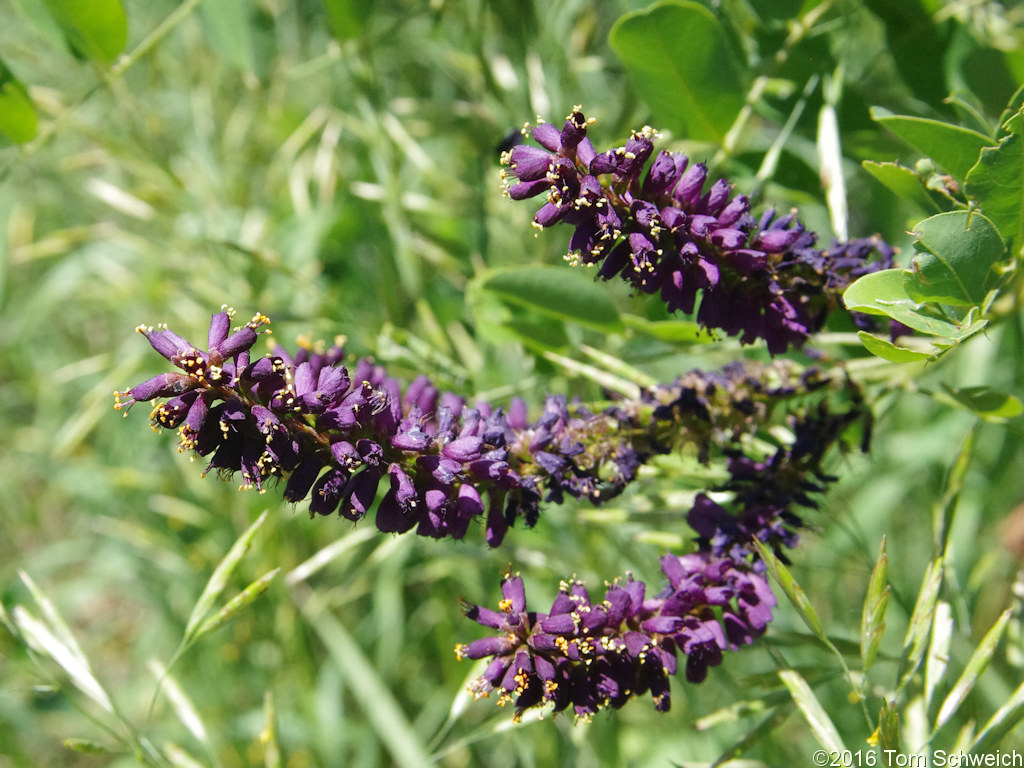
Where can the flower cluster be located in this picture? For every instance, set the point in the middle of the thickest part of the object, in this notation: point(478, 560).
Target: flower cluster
point(662, 232)
point(595, 655)
point(335, 436)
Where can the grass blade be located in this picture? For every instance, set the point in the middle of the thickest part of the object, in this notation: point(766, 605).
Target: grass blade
point(219, 579)
point(822, 727)
point(181, 704)
point(916, 639)
point(381, 709)
point(1005, 719)
point(938, 650)
point(975, 668)
point(42, 640)
point(268, 736)
point(782, 576)
point(236, 604)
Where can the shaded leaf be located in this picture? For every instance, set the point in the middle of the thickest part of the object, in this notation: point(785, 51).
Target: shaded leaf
point(996, 183)
point(95, 29)
point(567, 295)
point(956, 252)
point(18, 121)
point(954, 148)
point(904, 183)
point(682, 64)
point(989, 404)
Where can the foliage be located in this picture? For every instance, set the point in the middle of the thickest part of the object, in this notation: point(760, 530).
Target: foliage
point(338, 169)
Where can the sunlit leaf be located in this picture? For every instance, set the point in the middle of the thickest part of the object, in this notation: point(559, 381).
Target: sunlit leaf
point(95, 29)
point(888, 351)
point(996, 183)
point(682, 64)
point(954, 148)
point(18, 121)
point(956, 252)
point(904, 183)
point(884, 293)
point(782, 576)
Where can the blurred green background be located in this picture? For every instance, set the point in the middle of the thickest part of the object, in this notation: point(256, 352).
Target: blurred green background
point(334, 165)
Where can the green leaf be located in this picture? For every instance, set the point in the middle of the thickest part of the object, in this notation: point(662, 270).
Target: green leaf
point(996, 183)
point(95, 29)
point(956, 252)
point(975, 667)
point(18, 121)
point(344, 18)
point(686, 331)
point(86, 747)
point(954, 148)
point(822, 727)
point(227, 25)
point(564, 294)
point(884, 293)
point(682, 65)
point(904, 183)
point(989, 404)
point(876, 603)
point(886, 350)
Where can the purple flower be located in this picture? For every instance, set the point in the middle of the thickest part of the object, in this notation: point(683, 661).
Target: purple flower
point(594, 655)
point(661, 232)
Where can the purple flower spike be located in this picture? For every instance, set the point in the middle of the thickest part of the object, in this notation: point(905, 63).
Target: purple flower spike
point(661, 231)
point(595, 656)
